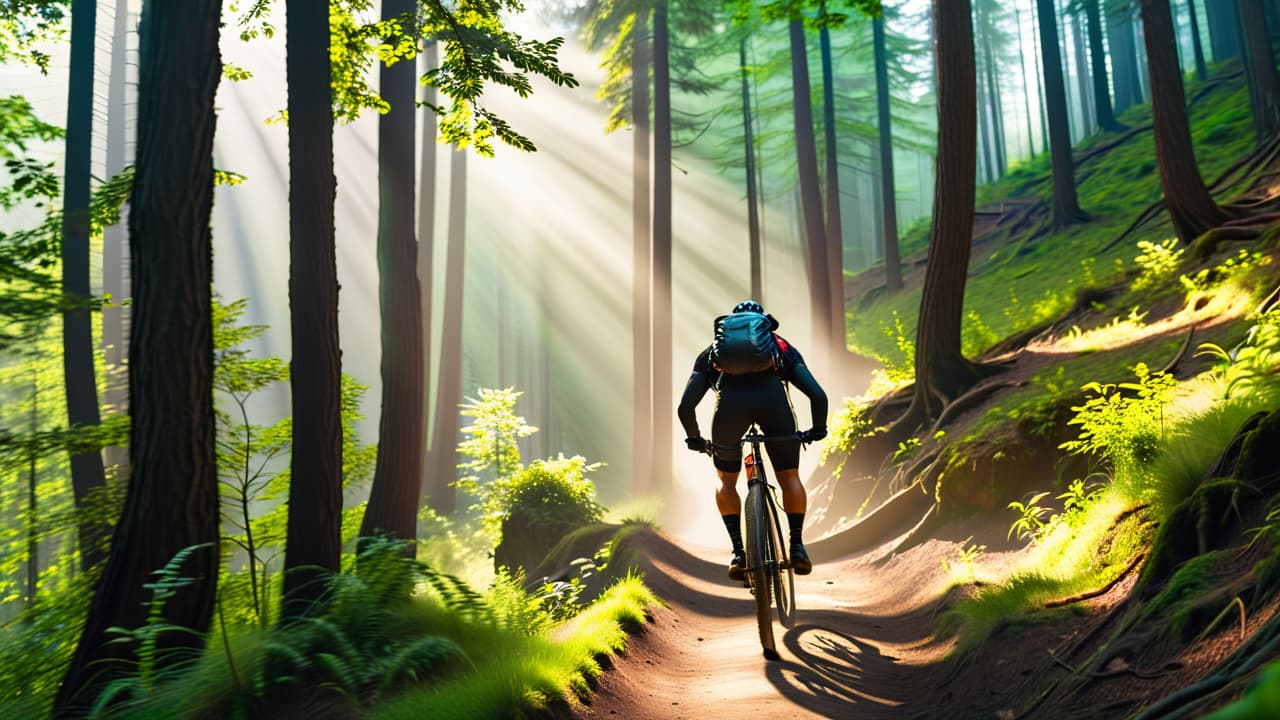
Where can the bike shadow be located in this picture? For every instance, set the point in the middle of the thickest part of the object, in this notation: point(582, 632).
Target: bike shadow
point(834, 674)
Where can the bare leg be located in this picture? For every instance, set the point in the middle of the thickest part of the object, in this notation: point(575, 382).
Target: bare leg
point(794, 499)
point(727, 499)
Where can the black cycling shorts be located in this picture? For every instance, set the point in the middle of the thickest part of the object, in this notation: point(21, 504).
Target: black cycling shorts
point(760, 398)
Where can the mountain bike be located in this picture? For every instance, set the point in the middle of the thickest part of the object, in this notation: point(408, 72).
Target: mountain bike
point(768, 571)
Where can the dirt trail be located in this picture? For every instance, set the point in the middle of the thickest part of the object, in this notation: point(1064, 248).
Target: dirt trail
point(861, 646)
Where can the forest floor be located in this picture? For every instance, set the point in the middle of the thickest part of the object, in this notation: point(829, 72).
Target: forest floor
point(865, 644)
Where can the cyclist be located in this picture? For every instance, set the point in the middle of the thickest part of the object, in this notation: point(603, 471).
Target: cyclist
point(755, 397)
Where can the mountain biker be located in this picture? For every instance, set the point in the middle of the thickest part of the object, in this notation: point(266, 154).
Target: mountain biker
point(755, 397)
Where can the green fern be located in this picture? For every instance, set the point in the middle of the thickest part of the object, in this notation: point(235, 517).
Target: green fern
point(430, 657)
point(1030, 524)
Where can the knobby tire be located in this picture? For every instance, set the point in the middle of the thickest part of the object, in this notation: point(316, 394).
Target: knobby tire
point(758, 549)
point(783, 580)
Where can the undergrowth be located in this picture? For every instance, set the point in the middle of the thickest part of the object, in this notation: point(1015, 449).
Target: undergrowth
point(1151, 443)
point(395, 638)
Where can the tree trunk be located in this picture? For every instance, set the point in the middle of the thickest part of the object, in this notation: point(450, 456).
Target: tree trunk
point(810, 198)
point(1264, 82)
point(444, 442)
point(834, 227)
point(33, 500)
point(749, 148)
point(1224, 38)
point(1087, 110)
point(1076, 130)
point(313, 544)
point(1202, 72)
point(1098, 55)
point(172, 498)
point(892, 263)
point(1191, 208)
point(393, 499)
point(993, 102)
point(1124, 61)
point(663, 400)
point(942, 371)
point(114, 238)
point(1044, 123)
point(1026, 89)
point(642, 262)
point(1066, 208)
point(87, 473)
point(426, 251)
point(987, 171)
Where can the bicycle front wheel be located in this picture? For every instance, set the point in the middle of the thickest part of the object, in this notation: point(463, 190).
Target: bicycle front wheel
point(759, 549)
point(782, 579)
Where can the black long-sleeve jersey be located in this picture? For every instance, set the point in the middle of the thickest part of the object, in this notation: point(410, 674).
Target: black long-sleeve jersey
point(706, 377)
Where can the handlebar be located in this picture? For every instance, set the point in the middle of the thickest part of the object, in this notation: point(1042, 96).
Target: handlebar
point(752, 438)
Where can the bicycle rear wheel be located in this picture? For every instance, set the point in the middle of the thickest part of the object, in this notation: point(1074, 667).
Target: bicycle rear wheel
point(758, 552)
point(783, 580)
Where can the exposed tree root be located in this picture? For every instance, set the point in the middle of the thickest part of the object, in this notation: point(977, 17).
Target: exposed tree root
point(969, 399)
point(1081, 597)
point(919, 533)
point(1119, 140)
point(1262, 157)
point(1182, 352)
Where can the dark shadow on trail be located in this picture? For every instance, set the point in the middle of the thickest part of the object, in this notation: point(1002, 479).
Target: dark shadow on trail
point(834, 671)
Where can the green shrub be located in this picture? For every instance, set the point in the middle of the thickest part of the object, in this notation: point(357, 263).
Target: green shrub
point(547, 493)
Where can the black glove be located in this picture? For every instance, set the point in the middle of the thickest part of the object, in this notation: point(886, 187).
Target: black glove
point(813, 435)
point(696, 444)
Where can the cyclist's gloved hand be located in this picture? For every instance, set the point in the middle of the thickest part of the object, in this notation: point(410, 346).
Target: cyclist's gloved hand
point(696, 444)
point(813, 435)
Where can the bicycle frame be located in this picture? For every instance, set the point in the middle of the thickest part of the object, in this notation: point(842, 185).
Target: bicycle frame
point(765, 551)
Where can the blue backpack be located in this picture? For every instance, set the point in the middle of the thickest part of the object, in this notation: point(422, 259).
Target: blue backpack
point(744, 344)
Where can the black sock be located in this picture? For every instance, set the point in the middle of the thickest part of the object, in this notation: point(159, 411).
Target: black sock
point(796, 523)
point(733, 523)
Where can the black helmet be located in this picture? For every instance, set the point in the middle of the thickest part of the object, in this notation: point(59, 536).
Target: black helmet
point(755, 307)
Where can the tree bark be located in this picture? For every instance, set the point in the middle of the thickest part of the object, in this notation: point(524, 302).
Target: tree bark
point(942, 371)
point(1098, 56)
point(1066, 207)
point(834, 226)
point(313, 545)
point(892, 262)
point(114, 238)
point(426, 251)
point(663, 393)
point(642, 261)
point(749, 149)
point(1259, 60)
point(87, 474)
point(1224, 38)
point(393, 500)
point(172, 498)
point(1191, 208)
point(810, 198)
point(1202, 72)
point(444, 496)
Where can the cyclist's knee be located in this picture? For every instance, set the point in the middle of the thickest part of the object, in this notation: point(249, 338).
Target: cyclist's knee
point(728, 480)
